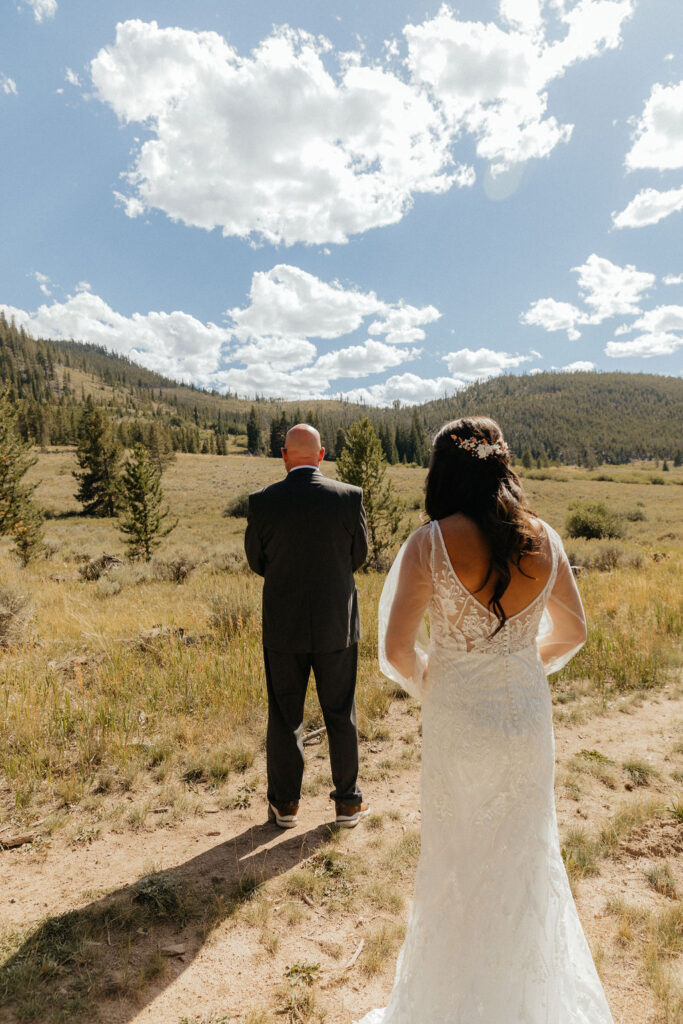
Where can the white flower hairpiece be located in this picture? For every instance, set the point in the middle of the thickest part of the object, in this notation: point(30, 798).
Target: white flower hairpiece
point(482, 449)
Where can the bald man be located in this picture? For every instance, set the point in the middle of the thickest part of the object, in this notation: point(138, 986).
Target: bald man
point(307, 535)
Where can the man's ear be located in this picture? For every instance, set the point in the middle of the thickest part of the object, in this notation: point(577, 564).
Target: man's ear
point(321, 455)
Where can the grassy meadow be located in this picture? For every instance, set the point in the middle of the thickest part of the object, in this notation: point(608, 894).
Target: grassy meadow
point(151, 675)
point(136, 701)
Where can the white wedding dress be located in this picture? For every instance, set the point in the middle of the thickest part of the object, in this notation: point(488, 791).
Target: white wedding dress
point(493, 936)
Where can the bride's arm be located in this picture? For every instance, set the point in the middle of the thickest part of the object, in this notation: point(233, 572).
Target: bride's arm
point(403, 641)
point(563, 627)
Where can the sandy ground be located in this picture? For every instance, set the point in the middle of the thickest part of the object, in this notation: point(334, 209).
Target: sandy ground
point(232, 973)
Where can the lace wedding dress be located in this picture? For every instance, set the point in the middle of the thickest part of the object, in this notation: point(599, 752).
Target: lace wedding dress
point(493, 936)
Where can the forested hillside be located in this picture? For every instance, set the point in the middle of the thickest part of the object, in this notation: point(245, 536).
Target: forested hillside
point(577, 417)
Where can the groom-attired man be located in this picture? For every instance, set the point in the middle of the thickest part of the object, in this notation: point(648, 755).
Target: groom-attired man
point(306, 535)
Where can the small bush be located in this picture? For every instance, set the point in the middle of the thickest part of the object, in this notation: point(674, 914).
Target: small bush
point(639, 772)
point(593, 520)
point(635, 515)
point(96, 567)
point(15, 615)
point(238, 507)
point(174, 570)
point(231, 561)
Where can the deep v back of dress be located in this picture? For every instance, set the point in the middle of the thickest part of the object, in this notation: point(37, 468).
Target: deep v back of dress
point(494, 936)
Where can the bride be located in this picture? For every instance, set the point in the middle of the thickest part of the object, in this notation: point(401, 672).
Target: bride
point(493, 936)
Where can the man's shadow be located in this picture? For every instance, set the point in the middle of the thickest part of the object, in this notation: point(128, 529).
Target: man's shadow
point(127, 947)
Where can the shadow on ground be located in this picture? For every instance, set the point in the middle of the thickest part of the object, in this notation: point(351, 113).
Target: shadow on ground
point(109, 954)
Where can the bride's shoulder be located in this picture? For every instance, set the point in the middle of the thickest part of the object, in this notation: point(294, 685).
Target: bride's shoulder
point(419, 540)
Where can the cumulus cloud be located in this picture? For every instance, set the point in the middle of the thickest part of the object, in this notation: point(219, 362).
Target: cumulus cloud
point(473, 364)
point(271, 144)
point(72, 78)
point(406, 387)
point(492, 81)
point(673, 279)
point(175, 343)
point(649, 207)
point(8, 85)
point(645, 346)
point(363, 360)
point(580, 365)
point(553, 316)
point(659, 131)
point(608, 290)
point(269, 346)
point(42, 8)
point(296, 143)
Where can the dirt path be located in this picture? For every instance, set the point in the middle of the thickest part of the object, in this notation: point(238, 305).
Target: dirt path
point(232, 964)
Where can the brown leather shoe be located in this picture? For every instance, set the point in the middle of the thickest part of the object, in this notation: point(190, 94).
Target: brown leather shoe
point(348, 815)
point(285, 815)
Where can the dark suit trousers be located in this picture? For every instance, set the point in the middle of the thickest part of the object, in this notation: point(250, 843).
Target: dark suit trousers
point(287, 677)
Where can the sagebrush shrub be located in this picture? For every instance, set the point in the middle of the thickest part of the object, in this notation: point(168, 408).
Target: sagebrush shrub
point(238, 507)
point(593, 520)
point(15, 614)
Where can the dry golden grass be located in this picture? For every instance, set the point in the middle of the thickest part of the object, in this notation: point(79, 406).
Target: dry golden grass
point(90, 710)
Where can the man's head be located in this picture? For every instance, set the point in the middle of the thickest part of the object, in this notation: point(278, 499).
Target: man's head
point(302, 447)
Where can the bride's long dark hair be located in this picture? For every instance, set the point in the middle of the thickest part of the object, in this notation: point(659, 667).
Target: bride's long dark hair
point(486, 490)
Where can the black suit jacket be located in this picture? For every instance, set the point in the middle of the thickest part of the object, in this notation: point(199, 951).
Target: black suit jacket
point(306, 535)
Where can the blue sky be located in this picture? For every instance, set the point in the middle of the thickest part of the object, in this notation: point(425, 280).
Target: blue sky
point(385, 200)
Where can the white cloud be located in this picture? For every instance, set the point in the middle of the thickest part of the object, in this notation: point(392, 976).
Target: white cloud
point(42, 8)
point(659, 320)
point(472, 364)
point(553, 316)
point(492, 82)
point(579, 366)
point(8, 85)
point(649, 207)
point(403, 323)
point(297, 143)
point(363, 360)
point(609, 289)
point(267, 347)
point(673, 279)
point(171, 343)
point(72, 78)
point(44, 282)
point(406, 387)
point(645, 346)
point(659, 132)
point(271, 144)
point(606, 289)
point(288, 301)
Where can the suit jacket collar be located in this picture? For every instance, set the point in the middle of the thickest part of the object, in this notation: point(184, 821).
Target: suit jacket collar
point(303, 474)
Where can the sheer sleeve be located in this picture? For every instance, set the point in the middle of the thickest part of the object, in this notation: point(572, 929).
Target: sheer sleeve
point(403, 639)
point(562, 630)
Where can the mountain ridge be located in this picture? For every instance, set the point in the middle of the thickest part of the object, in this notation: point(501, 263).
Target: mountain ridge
point(569, 417)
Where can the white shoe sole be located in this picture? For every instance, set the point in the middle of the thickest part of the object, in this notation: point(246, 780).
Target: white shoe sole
point(283, 820)
point(351, 820)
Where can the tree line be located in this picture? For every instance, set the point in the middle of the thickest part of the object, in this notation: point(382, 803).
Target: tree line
point(577, 418)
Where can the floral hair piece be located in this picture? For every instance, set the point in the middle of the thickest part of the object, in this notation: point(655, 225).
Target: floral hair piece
point(482, 449)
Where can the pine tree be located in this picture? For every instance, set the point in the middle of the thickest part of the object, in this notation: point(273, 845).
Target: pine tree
point(98, 455)
point(362, 463)
point(253, 433)
point(28, 533)
point(278, 433)
point(143, 519)
point(15, 460)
